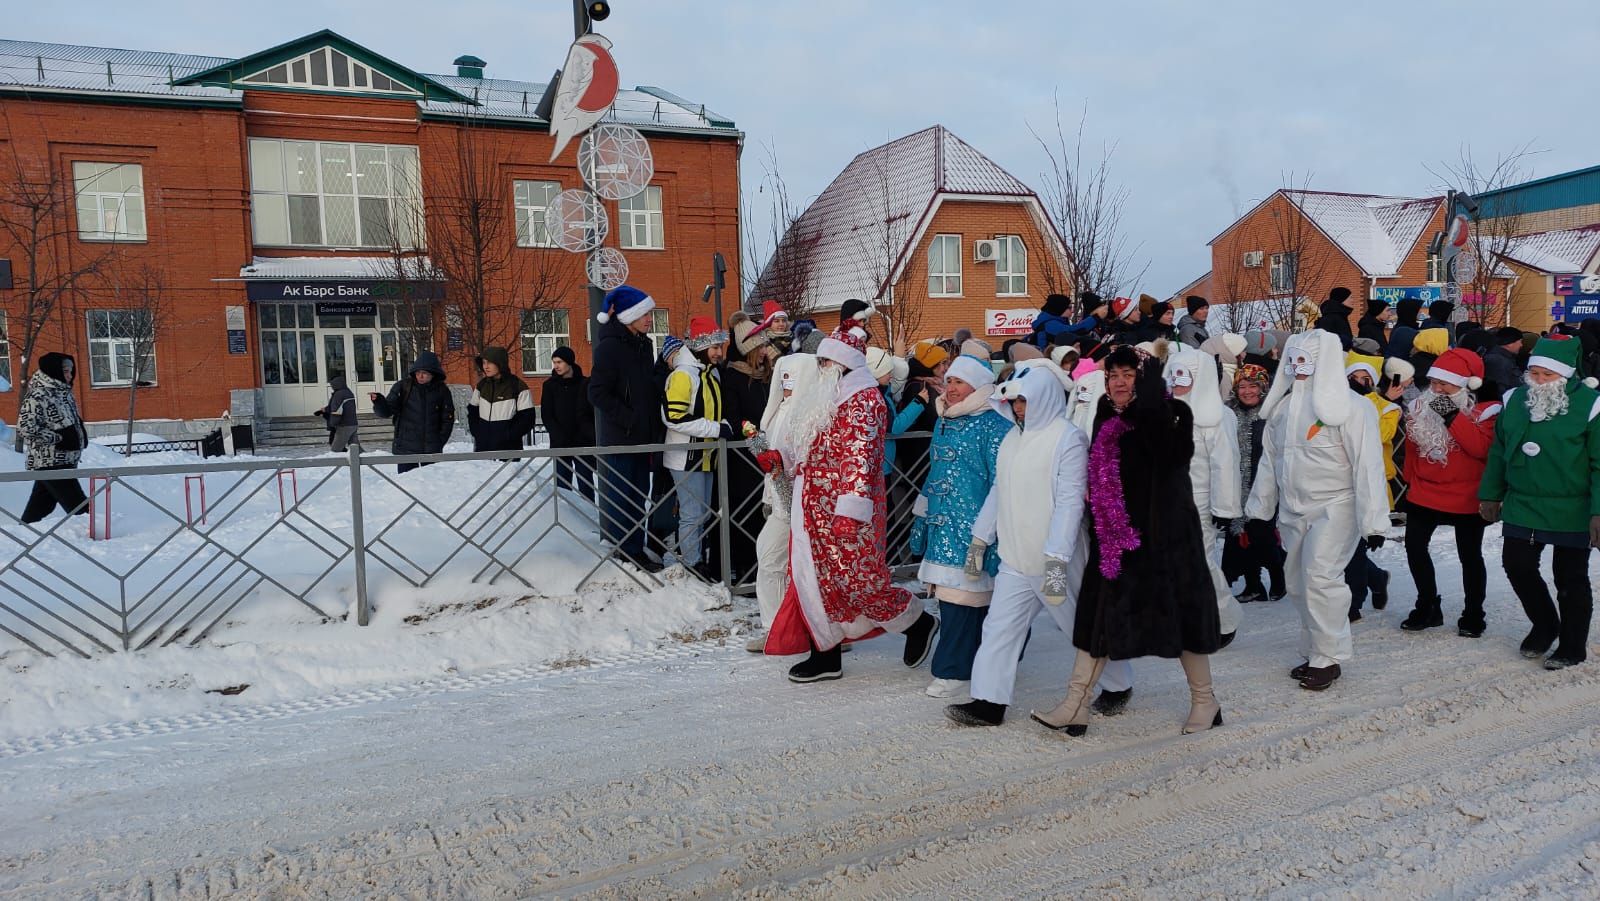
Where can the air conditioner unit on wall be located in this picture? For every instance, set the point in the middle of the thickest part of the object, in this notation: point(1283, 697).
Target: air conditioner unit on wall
point(1252, 259)
point(985, 251)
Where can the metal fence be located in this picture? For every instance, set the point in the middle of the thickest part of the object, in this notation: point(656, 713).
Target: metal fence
point(156, 559)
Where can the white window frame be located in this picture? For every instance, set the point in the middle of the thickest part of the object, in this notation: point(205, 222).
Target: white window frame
point(116, 346)
point(5, 350)
point(530, 215)
point(96, 206)
point(642, 211)
point(542, 332)
point(359, 78)
point(944, 248)
point(1436, 269)
point(1005, 266)
point(402, 194)
point(1282, 265)
point(660, 329)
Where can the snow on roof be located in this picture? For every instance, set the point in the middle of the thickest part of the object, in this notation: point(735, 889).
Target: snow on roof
point(1564, 252)
point(864, 221)
point(69, 68)
point(329, 267)
point(1376, 231)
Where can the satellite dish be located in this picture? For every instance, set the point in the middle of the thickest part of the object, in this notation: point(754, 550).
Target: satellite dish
point(576, 221)
point(615, 161)
point(607, 268)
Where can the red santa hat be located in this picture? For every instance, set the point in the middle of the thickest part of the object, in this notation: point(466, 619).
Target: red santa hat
point(1459, 367)
point(847, 346)
point(1121, 307)
point(771, 313)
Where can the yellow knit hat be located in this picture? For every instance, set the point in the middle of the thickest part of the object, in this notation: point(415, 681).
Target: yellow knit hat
point(929, 353)
point(1432, 340)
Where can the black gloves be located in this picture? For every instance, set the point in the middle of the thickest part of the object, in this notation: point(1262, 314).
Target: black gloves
point(69, 440)
point(725, 431)
point(1374, 542)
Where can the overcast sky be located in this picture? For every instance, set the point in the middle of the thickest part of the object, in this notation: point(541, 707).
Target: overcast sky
point(1211, 104)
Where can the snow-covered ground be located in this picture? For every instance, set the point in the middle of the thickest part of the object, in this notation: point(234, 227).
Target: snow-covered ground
point(1437, 766)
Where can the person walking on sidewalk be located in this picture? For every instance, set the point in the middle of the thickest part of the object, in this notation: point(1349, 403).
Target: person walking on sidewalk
point(1035, 511)
point(961, 472)
point(1322, 476)
point(340, 415)
point(1448, 434)
point(423, 411)
point(54, 437)
point(1543, 479)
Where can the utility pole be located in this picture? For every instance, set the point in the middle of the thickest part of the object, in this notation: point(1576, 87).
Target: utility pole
point(582, 24)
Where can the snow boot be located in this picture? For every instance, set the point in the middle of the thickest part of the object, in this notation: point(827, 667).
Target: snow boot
point(947, 688)
point(1426, 615)
point(1072, 714)
point(1277, 593)
point(819, 667)
point(1559, 660)
point(1380, 590)
point(1204, 711)
point(757, 643)
point(1227, 639)
point(1318, 678)
point(1111, 703)
point(1300, 671)
point(1472, 623)
point(976, 713)
point(919, 639)
point(1538, 643)
point(1253, 592)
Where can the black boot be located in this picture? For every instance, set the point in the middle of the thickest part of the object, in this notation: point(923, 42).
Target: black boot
point(819, 667)
point(1426, 615)
point(1472, 623)
point(1111, 703)
point(1380, 589)
point(1538, 642)
point(976, 713)
point(919, 639)
point(1252, 593)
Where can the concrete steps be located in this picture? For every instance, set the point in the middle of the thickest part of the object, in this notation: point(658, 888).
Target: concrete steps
point(310, 431)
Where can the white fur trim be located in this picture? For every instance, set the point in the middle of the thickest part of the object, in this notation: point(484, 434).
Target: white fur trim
point(602, 317)
point(970, 370)
point(1490, 411)
point(854, 506)
point(1399, 368)
point(1474, 383)
point(1449, 377)
point(1555, 366)
point(864, 315)
point(841, 353)
point(636, 312)
point(920, 507)
point(1353, 368)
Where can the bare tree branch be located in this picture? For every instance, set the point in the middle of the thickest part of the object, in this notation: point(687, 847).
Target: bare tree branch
point(1493, 229)
point(781, 265)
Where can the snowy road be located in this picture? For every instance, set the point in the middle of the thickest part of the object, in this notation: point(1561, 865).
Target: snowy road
point(1437, 766)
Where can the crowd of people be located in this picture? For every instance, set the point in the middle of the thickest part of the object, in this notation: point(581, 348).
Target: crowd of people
point(1115, 469)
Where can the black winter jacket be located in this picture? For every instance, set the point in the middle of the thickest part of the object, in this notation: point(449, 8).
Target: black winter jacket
point(341, 408)
point(623, 386)
point(1371, 327)
point(566, 412)
point(424, 415)
point(1336, 319)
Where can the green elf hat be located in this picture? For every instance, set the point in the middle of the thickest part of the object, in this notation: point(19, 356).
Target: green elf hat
point(1563, 356)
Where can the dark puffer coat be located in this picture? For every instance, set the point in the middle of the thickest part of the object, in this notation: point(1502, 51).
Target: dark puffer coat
point(565, 409)
point(424, 415)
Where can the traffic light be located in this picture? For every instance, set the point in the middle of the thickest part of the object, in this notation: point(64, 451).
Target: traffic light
point(598, 10)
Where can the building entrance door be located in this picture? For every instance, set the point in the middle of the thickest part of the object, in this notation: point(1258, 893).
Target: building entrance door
point(302, 351)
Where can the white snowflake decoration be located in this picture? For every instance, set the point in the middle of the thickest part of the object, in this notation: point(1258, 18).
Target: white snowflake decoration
point(607, 268)
point(615, 161)
point(576, 221)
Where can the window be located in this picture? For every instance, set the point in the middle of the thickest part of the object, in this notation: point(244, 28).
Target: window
point(944, 266)
point(5, 353)
point(327, 68)
point(288, 343)
point(115, 336)
point(532, 197)
point(542, 332)
point(110, 199)
point(660, 328)
point(1011, 267)
point(322, 194)
point(1284, 271)
point(1435, 268)
point(641, 220)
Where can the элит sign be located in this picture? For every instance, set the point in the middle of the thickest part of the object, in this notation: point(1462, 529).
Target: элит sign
point(1009, 322)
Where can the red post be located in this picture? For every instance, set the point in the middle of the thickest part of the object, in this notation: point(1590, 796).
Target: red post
point(294, 488)
point(189, 484)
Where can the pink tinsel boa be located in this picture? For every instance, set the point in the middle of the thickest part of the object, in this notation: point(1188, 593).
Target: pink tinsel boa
point(1112, 527)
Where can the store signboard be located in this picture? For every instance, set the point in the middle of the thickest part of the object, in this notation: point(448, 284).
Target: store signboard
point(361, 289)
point(238, 343)
point(1566, 285)
point(1579, 307)
point(1393, 294)
point(1009, 322)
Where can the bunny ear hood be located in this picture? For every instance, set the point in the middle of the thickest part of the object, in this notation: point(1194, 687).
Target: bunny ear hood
point(1331, 397)
point(1046, 401)
point(1205, 396)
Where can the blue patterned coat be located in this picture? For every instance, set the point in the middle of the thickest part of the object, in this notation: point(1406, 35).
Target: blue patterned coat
point(961, 472)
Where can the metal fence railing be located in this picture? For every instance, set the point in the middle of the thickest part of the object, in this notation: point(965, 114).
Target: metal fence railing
point(172, 551)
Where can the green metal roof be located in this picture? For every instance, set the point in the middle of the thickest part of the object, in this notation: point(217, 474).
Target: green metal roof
point(1580, 187)
point(228, 74)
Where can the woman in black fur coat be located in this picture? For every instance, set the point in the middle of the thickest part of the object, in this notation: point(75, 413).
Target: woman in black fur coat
point(1146, 590)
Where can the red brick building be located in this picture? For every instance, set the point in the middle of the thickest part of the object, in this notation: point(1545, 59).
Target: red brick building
point(296, 209)
point(932, 232)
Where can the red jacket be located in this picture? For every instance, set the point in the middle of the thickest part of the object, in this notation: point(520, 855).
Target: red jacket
point(1452, 486)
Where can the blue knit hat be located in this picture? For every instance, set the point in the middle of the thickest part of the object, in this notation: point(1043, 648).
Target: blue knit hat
point(627, 303)
point(670, 347)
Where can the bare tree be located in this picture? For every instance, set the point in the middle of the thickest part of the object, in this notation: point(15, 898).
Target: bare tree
point(38, 215)
point(781, 263)
point(1086, 207)
point(143, 317)
point(881, 250)
point(472, 240)
point(1296, 262)
point(407, 268)
point(1494, 225)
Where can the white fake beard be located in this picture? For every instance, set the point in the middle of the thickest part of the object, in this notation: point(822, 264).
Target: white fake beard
point(810, 411)
point(1428, 428)
point(1546, 401)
